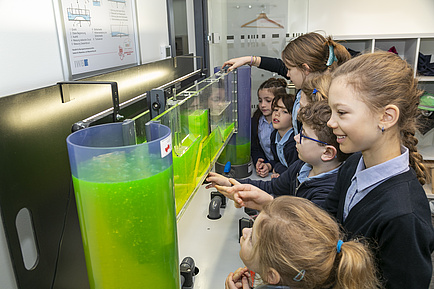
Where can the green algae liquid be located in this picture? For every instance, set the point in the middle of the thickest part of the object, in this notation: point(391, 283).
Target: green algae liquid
point(237, 154)
point(184, 176)
point(129, 232)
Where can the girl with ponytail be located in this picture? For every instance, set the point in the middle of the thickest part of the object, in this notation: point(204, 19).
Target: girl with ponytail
point(294, 244)
point(307, 55)
point(379, 193)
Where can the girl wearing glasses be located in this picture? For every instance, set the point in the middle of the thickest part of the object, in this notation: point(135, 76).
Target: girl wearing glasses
point(379, 193)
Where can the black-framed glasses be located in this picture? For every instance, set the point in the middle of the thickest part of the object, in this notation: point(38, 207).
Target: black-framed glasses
point(303, 136)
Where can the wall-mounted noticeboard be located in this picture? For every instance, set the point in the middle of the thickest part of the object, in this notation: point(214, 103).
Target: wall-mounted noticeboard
point(99, 34)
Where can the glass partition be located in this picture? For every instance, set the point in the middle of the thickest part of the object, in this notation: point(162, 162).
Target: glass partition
point(202, 118)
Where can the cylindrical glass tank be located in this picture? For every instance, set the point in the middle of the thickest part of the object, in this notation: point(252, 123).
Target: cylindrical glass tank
point(237, 150)
point(126, 206)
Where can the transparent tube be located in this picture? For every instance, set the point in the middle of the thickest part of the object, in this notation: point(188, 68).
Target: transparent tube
point(126, 207)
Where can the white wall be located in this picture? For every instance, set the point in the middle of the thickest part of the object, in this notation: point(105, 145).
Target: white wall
point(29, 49)
point(153, 28)
point(343, 17)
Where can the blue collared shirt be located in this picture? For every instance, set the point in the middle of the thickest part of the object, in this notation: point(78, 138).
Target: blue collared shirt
point(295, 109)
point(367, 179)
point(264, 132)
point(303, 174)
point(280, 143)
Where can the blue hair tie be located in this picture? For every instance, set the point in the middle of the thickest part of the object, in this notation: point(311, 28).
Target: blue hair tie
point(332, 56)
point(314, 91)
point(299, 276)
point(339, 245)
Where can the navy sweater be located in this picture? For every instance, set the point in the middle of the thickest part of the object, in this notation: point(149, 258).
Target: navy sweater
point(289, 152)
point(396, 219)
point(256, 148)
point(274, 65)
point(315, 190)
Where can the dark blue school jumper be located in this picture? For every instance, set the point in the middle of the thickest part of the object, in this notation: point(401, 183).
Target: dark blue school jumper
point(256, 148)
point(289, 152)
point(396, 220)
point(315, 190)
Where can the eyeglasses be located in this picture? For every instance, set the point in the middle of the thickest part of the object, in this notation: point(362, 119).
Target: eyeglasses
point(303, 136)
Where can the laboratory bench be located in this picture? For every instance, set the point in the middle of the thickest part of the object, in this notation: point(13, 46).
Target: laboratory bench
point(213, 244)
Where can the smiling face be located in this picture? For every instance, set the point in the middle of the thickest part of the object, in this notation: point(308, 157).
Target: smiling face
point(352, 121)
point(265, 98)
point(282, 119)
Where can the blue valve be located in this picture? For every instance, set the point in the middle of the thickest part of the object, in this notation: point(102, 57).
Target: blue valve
point(227, 169)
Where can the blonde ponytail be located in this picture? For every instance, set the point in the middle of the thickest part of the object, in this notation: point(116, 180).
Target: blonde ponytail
point(356, 268)
point(299, 240)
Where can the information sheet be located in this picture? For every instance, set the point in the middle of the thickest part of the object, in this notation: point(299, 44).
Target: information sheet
point(99, 34)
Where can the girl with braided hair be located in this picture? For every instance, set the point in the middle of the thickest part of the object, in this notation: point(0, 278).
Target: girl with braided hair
point(379, 193)
point(294, 244)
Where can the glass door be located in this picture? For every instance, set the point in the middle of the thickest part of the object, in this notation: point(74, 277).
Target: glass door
point(248, 27)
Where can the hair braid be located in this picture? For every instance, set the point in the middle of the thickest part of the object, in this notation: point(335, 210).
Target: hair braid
point(416, 160)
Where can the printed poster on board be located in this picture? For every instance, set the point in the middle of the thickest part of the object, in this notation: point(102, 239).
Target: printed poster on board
point(99, 34)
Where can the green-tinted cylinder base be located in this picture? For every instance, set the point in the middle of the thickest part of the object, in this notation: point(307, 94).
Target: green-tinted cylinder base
point(236, 154)
point(129, 232)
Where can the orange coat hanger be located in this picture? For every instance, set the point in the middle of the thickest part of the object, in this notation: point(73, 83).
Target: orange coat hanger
point(262, 15)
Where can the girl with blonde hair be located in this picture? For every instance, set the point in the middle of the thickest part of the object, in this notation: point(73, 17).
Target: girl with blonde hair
point(294, 244)
point(315, 89)
point(378, 194)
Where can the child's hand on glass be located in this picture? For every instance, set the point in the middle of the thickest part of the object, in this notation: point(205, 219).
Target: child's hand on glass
point(236, 62)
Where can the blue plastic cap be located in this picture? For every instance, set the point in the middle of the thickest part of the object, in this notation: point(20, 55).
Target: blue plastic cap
point(227, 167)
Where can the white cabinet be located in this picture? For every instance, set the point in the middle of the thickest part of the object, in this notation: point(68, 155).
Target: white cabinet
point(407, 46)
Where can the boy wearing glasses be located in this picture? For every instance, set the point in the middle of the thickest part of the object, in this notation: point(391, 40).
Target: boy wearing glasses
point(312, 177)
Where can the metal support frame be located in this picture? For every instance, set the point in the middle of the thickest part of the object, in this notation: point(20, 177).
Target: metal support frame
point(65, 94)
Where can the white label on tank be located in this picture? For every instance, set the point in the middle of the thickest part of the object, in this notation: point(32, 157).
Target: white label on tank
point(166, 146)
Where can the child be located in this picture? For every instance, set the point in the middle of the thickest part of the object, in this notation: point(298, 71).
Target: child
point(374, 99)
point(282, 137)
point(312, 177)
point(303, 55)
point(295, 244)
point(262, 124)
point(315, 88)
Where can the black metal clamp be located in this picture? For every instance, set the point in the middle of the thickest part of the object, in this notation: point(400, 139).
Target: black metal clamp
point(64, 93)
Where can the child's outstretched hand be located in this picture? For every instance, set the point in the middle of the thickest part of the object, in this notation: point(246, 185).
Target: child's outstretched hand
point(238, 279)
point(245, 195)
point(236, 62)
point(227, 190)
point(217, 179)
point(251, 197)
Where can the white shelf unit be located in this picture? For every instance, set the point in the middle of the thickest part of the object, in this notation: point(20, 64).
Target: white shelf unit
point(408, 47)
